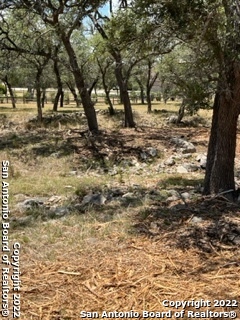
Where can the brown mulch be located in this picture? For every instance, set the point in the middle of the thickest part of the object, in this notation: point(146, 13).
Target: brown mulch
point(135, 274)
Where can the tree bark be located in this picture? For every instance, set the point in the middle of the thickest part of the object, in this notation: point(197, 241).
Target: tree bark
point(110, 105)
point(74, 93)
point(150, 82)
point(141, 87)
point(8, 84)
point(149, 102)
point(129, 122)
point(181, 111)
point(88, 105)
point(43, 98)
point(59, 85)
point(38, 94)
point(222, 144)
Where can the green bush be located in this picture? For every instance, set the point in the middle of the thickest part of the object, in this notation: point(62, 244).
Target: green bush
point(3, 89)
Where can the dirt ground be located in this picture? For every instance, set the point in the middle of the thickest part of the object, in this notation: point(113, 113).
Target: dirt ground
point(143, 258)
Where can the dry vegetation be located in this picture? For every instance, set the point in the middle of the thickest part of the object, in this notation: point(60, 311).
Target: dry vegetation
point(114, 257)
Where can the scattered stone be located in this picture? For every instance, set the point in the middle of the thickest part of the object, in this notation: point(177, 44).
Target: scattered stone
point(172, 119)
point(143, 156)
point(170, 162)
point(190, 167)
point(72, 173)
point(182, 169)
point(196, 220)
point(185, 146)
point(189, 149)
point(30, 204)
point(128, 195)
point(152, 151)
point(55, 155)
point(22, 222)
point(187, 155)
point(202, 159)
point(97, 199)
point(185, 195)
point(172, 198)
point(58, 212)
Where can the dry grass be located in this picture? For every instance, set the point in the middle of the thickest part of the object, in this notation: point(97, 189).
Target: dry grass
point(98, 261)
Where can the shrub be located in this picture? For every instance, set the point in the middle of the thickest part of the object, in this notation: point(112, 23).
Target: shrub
point(3, 89)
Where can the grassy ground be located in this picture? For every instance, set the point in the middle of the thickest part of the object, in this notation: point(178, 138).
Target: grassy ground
point(113, 257)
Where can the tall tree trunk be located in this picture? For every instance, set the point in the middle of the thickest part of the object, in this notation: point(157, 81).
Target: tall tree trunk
point(150, 82)
point(181, 111)
point(38, 94)
point(110, 105)
point(149, 102)
point(43, 98)
point(56, 100)
point(129, 122)
point(39, 105)
point(61, 99)
point(74, 93)
point(88, 105)
point(8, 84)
point(222, 145)
point(141, 90)
point(93, 85)
point(59, 84)
point(212, 144)
point(107, 91)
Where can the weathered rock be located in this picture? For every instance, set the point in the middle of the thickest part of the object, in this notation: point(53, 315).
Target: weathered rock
point(202, 159)
point(173, 192)
point(189, 149)
point(128, 195)
point(190, 167)
point(182, 169)
point(172, 119)
point(143, 156)
point(196, 220)
point(170, 162)
point(152, 151)
point(172, 198)
point(185, 195)
point(61, 211)
point(31, 203)
point(185, 146)
point(97, 199)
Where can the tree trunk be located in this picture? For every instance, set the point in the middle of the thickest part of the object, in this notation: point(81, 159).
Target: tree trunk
point(38, 94)
point(61, 99)
point(107, 92)
point(110, 105)
point(129, 122)
point(39, 105)
point(59, 84)
point(181, 111)
point(88, 105)
point(74, 93)
point(150, 82)
point(43, 98)
point(149, 101)
point(8, 84)
point(56, 100)
point(222, 145)
point(141, 90)
point(93, 85)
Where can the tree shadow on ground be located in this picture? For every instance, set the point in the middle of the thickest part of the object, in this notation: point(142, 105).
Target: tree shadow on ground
point(209, 224)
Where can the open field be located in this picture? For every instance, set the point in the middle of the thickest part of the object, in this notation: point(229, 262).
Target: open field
point(113, 225)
